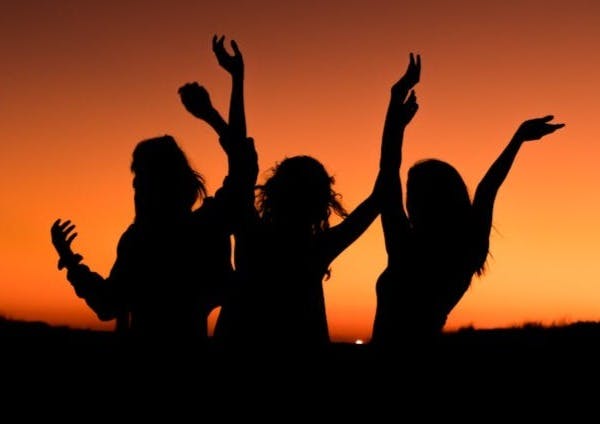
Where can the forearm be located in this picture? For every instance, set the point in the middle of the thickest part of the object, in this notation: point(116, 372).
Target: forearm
point(237, 114)
point(243, 161)
point(485, 195)
point(393, 218)
point(392, 141)
point(217, 123)
point(352, 227)
point(94, 289)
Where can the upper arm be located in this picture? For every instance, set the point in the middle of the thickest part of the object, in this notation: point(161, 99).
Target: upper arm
point(394, 221)
point(483, 211)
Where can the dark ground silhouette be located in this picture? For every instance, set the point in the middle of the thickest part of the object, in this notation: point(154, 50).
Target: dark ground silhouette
point(531, 370)
point(530, 342)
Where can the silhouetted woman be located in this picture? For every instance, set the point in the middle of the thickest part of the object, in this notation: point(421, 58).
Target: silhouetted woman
point(173, 261)
point(283, 253)
point(284, 246)
point(442, 239)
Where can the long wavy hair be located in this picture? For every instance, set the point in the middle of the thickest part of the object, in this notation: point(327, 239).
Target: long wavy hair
point(440, 208)
point(299, 191)
point(164, 180)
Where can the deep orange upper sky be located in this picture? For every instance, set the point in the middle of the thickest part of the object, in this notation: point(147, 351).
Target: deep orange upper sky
point(82, 82)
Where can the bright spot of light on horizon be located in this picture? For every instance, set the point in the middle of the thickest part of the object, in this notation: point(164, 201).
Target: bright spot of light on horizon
point(358, 341)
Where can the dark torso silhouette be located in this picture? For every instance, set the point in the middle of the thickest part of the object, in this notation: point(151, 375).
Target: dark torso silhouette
point(168, 275)
point(419, 288)
point(279, 296)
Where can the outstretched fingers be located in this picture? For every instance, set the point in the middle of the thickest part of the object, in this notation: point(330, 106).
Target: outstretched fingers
point(534, 129)
point(235, 48)
point(217, 42)
point(410, 107)
point(553, 127)
point(63, 234)
point(413, 72)
point(67, 233)
point(70, 237)
point(415, 64)
point(219, 48)
point(549, 127)
point(412, 75)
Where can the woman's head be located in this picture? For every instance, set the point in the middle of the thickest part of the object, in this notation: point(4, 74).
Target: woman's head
point(164, 181)
point(439, 208)
point(299, 192)
point(437, 198)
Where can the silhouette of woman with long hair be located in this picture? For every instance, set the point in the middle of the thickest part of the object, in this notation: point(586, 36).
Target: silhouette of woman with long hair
point(283, 254)
point(173, 262)
point(284, 246)
point(442, 239)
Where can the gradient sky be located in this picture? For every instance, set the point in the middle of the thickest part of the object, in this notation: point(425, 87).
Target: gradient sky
point(83, 81)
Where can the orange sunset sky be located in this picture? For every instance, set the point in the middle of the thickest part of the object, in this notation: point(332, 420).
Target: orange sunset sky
point(82, 82)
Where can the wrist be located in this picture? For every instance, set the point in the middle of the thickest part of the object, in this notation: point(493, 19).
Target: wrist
point(517, 139)
point(69, 261)
point(209, 115)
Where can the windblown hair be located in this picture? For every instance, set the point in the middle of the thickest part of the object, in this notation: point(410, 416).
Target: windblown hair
point(300, 188)
point(160, 166)
point(439, 205)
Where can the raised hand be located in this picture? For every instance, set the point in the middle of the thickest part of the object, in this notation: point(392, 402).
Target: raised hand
point(234, 64)
point(196, 100)
point(534, 129)
point(62, 237)
point(411, 77)
point(409, 108)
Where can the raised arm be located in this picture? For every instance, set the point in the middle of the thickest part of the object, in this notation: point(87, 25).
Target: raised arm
point(234, 65)
point(339, 237)
point(485, 195)
point(236, 196)
point(401, 110)
point(196, 100)
point(386, 195)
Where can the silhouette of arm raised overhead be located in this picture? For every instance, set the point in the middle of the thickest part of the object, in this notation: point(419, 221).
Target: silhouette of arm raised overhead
point(385, 192)
point(234, 64)
point(238, 188)
point(342, 235)
point(196, 100)
point(240, 148)
point(401, 110)
point(485, 194)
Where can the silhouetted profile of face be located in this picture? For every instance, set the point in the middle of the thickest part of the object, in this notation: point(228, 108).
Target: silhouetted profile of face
point(437, 199)
point(298, 193)
point(164, 182)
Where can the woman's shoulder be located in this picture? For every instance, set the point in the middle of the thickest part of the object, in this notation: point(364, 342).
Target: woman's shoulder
point(128, 238)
